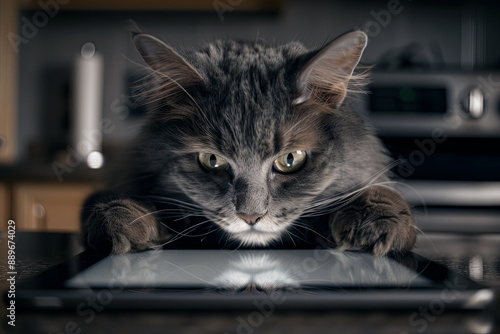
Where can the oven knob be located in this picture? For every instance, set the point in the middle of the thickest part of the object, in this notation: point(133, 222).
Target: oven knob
point(473, 103)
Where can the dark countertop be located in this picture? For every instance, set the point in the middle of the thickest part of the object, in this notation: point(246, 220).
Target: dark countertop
point(45, 165)
point(475, 256)
point(44, 172)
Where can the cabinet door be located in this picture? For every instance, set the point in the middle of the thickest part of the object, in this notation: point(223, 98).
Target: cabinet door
point(49, 207)
point(9, 24)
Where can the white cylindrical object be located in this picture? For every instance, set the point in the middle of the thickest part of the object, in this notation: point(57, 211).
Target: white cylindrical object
point(87, 102)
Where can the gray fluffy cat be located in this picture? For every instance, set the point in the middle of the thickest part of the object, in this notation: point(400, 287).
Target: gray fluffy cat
point(255, 146)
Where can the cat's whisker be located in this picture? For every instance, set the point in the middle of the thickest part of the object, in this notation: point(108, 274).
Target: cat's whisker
point(290, 237)
point(131, 180)
point(183, 89)
point(210, 283)
point(197, 235)
point(299, 224)
point(370, 179)
point(339, 197)
point(179, 210)
point(209, 231)
point(171, 200)
point(421, 199)
point(232, 242)
point(291, 275)
point(181, 207)
point(149, 214)
point(154, 93)
point(328, 207)
point(332, 204)
point(180, 217)
point(189, 229)
point(224, 235)
point(317, 210)
point(185, 232)
point(188, 215)
point(281, 238)
point(426, 236)
point(290, 234)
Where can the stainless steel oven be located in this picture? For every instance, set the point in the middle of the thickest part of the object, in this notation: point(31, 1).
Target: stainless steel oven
point(443, 128)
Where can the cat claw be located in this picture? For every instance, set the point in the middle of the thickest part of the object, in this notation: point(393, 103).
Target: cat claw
point(379, 221)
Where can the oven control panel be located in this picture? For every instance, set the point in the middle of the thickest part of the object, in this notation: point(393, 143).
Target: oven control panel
point(408, 104)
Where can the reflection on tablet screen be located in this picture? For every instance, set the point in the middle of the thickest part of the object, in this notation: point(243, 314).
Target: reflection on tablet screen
point(238, 270)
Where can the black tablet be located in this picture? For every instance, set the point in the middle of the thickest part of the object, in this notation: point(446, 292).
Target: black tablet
point(247, 279)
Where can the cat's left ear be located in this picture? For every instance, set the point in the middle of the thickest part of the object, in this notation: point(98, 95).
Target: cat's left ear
point(175, 73)
point(325, 78)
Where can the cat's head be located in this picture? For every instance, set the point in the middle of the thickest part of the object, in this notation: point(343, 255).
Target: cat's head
point(255, 135)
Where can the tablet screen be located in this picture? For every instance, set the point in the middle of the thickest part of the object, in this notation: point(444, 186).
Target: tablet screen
point(240, 269)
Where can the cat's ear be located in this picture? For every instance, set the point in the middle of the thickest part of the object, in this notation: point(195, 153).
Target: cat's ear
point(326, 76)
point(175, 73)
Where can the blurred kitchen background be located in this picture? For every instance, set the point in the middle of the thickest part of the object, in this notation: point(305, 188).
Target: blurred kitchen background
point(435, 94)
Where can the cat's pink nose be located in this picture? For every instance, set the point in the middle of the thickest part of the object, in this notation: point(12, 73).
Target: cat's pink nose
point(250, 219)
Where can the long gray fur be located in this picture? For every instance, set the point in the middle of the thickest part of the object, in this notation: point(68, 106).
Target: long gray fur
point(243, 101)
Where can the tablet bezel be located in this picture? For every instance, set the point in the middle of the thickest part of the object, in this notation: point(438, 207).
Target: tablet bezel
point(47, 291)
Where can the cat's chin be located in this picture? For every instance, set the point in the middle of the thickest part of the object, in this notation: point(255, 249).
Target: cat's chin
point(255, 237)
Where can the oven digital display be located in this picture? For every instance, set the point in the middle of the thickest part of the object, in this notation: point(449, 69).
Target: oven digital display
point(403, 99)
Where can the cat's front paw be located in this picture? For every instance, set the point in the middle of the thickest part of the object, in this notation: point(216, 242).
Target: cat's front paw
point(120, 226)
point(378, 221)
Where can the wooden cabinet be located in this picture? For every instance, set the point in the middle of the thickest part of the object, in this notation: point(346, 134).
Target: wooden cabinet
point(49, 207)
point(4, 205)
point(9, 25)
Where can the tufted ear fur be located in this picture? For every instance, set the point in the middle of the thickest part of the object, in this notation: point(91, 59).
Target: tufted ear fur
point(325, 78)
point(173, 75)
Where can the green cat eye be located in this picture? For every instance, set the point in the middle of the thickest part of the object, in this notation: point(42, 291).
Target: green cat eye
point(290, 162)
point(213, 162)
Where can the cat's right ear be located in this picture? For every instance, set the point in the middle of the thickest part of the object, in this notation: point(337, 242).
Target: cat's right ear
point(326, 77)
point(175, 73)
